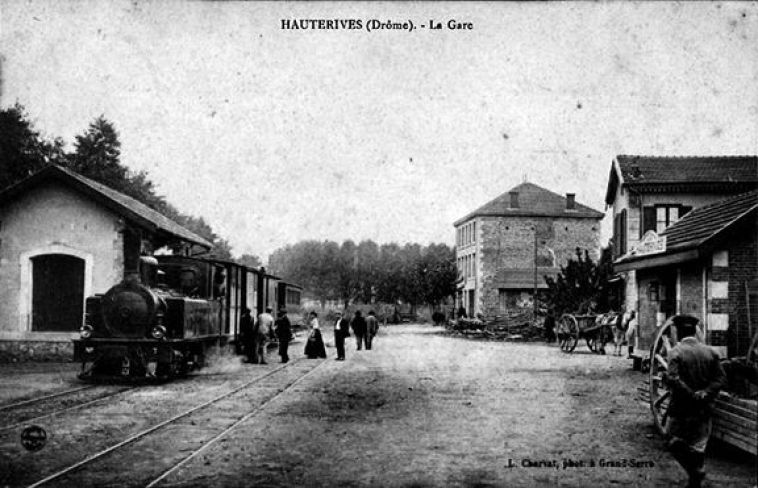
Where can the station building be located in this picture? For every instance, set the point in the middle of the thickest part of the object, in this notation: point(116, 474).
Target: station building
point(64, 237)
point(705, 265)
point(648, 194)
point(505, 248)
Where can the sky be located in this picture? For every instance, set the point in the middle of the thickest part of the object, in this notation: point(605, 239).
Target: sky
point(275, 135)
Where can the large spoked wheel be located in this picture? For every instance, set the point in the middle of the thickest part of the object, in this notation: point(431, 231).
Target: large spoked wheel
point(568, 333)
point(659, 393)
point(660, 354)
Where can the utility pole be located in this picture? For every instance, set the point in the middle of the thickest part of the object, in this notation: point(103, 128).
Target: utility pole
point(534, 298)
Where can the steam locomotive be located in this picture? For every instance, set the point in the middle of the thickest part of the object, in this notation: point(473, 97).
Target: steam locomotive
point(161, 321)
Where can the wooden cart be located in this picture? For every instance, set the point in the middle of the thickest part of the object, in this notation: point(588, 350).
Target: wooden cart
point(596, 330)
point(735, 420)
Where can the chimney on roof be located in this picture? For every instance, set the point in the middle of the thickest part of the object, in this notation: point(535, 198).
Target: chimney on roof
point(570, 201)
point(514, 199)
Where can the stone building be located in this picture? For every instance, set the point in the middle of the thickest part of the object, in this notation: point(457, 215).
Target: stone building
point(705, 265)
point(64, 237)
point(650, 193)
point(505, 248)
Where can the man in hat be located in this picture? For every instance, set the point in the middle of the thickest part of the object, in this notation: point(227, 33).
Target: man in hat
point(262, 331)
point(341, 331)
point(284, 334)
point(694, 376)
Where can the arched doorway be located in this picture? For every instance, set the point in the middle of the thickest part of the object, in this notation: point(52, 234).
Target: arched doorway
point(57, 292)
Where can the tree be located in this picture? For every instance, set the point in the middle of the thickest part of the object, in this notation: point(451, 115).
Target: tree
point(580, 284)
point(249, 260)
point(96, 156)
point(22, 150)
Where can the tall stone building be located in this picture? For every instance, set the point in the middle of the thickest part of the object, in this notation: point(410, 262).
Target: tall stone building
point(505, 248)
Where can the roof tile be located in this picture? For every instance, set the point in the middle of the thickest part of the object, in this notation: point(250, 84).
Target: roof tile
point(533, 201)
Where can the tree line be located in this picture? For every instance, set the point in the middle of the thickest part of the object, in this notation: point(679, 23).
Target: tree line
point(97, 155)
point(367, 272)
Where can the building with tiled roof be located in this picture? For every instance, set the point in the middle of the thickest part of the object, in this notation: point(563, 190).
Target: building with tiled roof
point(506, 247)
point(705, 265)
point(649, 197)
point(64, 237)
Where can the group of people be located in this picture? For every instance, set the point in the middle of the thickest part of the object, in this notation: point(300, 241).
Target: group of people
point(364, 330)
point(256, 334)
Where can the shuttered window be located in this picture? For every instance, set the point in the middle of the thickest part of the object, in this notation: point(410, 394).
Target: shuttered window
point(619, 233)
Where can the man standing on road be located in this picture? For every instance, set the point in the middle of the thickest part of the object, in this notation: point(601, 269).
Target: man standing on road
point(262, 331)
point(695, 377)
point(359, 329)
point(247, 338)
point(372, 325)
point(284, 334)
point(340, 332)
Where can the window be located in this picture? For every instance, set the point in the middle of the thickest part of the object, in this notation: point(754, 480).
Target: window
point(619, 233)
point(659, 217)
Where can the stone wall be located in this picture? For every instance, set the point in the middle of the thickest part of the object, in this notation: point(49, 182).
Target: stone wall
point(509, 243)
point(53, 219)
point(742, 269)
point(18, 351)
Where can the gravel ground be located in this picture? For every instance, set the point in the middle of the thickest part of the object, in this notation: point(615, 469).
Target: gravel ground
point(421, 409)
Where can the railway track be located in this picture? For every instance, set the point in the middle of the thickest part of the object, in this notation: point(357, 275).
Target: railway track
point(44, 397)
point(199, 427)
point(37, 409)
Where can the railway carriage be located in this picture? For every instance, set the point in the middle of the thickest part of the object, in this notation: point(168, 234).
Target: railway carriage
point(161, 321)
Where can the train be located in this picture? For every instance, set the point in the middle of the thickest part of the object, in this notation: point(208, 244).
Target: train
point(162, 320)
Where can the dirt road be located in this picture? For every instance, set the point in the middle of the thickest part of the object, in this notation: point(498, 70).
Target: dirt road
point(421, 409)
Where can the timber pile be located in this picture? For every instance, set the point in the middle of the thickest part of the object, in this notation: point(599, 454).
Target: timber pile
point(514, 327)
point(735, 420)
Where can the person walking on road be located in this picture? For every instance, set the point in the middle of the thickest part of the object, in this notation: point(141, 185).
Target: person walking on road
point(359, 329)
point(284, 334)
point(695, 377)
point(314, 346)
point(341, 330)
point(247, 339)
point(372, 326)
point(261, 334)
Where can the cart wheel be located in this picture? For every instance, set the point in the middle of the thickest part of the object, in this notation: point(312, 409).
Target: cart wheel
point(568, 333)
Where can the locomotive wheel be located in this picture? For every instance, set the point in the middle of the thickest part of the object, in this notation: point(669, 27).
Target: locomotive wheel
point(568, 333)
point(660, 352)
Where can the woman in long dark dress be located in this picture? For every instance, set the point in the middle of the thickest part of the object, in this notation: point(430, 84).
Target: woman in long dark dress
point(314, 346)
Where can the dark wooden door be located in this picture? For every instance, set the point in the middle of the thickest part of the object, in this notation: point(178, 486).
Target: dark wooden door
point(58, 293)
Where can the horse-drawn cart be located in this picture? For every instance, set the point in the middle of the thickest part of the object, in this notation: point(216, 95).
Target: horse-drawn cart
point(596, 330)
